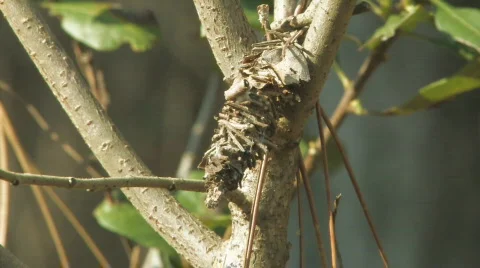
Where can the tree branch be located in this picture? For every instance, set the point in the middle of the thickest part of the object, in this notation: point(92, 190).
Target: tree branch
point(305, 19)
point(195, 242)
point(297, 21)
point(322, 41)
point(283, 8)
point(227, 31)
point(271, 246)
point(95, 184)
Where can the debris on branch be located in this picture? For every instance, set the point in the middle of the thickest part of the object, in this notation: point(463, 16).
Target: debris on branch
point(254, 110)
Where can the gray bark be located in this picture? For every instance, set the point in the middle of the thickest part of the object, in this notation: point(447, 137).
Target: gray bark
point(230, 37)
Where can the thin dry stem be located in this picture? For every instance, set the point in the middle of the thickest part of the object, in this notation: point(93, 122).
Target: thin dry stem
point(4, 186)
point(135, 257)
point(40, 120)
point(81, 231)
point(300, 220)
point(52, 228)
point(371, 63)
point(313, 211)
point(28, 166)
point(328, 188)
point(360, 197)
point(197, 243)
point(334, 219)
point(254, 210)
point(93, 75)
point(106, 183)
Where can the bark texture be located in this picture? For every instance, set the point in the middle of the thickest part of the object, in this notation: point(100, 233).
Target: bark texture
point(271, 246)
point(190, 238)
point(228, 32)
point(230, 37)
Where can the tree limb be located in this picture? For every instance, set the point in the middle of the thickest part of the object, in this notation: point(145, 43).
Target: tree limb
point(227, 31)
point(297, 21)
point(7, 259)
point(183, 231)
point(271, 246)
point(95, 184)
point(304, 19)
point(322, 41)
point(283, 8)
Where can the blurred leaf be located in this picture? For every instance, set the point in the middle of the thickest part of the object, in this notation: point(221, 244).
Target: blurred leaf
point(196, 175)
point(437, 92)
point(303, 147)
point(463, 24)
point(103, 27)
point(124, 219)
point(252, 18)
point(459, 49)
point(335, 160)
point(406, 21)
point(194, 203)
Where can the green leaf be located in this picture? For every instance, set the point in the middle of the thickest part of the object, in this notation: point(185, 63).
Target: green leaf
point(102, 26)
point(124, 219)
point(303, 147)
point(440, 91)
point(252, 18)
point(194, 203)
point(463, 24)
point(406, 21)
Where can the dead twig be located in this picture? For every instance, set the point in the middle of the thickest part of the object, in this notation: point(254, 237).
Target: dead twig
point(81, 231)
point(300, 220)
point(4, 186)
point(360, 197)
point(254, 211)
point(94, 184)
point(371, 63)
point(313, 211)
point(328, 188)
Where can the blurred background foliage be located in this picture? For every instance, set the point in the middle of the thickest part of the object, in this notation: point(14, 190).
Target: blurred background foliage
point(419, 173)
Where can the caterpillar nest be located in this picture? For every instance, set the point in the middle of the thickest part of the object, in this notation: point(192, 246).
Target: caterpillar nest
point(248, 121)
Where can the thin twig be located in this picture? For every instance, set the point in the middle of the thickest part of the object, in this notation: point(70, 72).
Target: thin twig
point(28, 166)
point(135, 257)
point(93, 75)
point(371, 63)
point(300, 220)
point(81, 231)
point(4, 186)
point(40, 120)
point(95, 184)
point(254, 210)
point(52, 228)
point(200, 245)
point(328, 188)
point(360, 197)
point(313, 211)
point(334, 217)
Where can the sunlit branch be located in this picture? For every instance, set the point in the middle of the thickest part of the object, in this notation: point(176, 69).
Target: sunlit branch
point(105, 183)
